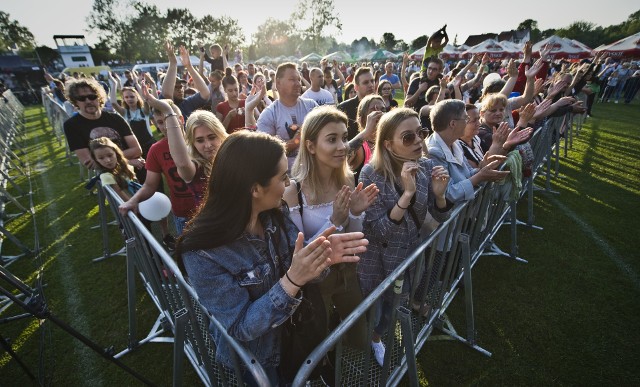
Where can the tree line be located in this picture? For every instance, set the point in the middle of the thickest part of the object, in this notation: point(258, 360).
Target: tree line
point(133, 30)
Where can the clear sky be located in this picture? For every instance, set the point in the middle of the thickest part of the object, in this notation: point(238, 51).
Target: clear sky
point(406, 19)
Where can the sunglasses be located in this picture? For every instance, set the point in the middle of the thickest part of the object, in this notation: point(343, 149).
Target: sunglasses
point(409, 138)
point(90, 97)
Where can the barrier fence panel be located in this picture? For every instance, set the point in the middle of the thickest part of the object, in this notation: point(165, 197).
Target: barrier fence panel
point(182, 314)
point(12, 168)
point(418, 292)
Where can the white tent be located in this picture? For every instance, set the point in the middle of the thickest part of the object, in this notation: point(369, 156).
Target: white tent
point(495, 50)
point(562, 48)
point(340, 56)
point(627, 47)
point(313, 57)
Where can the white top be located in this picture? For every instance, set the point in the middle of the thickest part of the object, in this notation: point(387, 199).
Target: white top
point(322, 96)
point(315, 219)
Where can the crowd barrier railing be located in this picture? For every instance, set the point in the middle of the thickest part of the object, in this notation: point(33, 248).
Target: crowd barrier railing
point(430, 277)
point(182, 315)
point(11, 168)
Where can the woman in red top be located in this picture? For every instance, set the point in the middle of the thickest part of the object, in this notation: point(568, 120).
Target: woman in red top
point(232, 110)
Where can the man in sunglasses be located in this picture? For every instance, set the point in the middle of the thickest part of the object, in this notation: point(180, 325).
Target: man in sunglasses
point(88, 97)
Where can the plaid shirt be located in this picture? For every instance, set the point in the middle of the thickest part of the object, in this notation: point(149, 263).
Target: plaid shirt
point(391, 242)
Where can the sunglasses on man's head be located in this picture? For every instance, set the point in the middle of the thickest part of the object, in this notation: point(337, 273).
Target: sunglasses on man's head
point(410, 137)
point(90, 97)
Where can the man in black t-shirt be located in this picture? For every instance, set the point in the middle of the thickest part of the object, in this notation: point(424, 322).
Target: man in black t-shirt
point(92, 122)
point(364, 84)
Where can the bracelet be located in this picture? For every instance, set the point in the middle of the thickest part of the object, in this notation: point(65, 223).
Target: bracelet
point(286, 273)
point(173, 114)
point(402, 208)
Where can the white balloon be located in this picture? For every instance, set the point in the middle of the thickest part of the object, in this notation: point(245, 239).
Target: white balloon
point(156, 207)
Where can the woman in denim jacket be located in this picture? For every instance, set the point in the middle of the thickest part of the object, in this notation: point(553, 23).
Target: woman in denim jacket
point(410, 187)
point(243, 254)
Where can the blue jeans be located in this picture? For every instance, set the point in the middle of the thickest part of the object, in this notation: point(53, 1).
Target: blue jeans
point(180, 222)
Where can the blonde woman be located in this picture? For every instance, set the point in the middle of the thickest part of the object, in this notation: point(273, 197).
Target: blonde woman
point(322, 194)
point(410, 186)
point(194, 153)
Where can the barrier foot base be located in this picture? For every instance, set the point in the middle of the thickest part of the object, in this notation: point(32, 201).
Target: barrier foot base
point(7, 260)
point(445, 326)
point(521, 223)
point(112, 223)
point(121, 252)
point(493, 249)
point(154, 336)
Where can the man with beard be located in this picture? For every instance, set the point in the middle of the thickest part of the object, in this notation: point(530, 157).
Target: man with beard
point(92, 122)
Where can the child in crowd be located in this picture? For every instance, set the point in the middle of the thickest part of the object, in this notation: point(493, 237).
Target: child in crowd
point(115, 171)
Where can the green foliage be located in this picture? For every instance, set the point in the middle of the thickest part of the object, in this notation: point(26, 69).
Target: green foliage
point(419, 42)
point(12, 33)
point(313, 19)
point(388, 41)
point(135, 30)
point(531, 25)
point(275, 38)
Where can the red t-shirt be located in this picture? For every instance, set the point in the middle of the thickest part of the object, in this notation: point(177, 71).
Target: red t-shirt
point(238, 121)
point(159, 161)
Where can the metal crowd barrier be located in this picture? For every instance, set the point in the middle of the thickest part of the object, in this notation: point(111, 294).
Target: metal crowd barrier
point(444, 262)
point(57, 115)
point(11, 168)
point(432, 275)
point(181, 314)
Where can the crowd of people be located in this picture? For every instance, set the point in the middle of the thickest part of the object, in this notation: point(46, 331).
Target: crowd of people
point(292, 184)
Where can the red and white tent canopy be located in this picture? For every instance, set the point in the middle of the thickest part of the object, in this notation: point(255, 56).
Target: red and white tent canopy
point(562, 48)
point(452, 52)
point(627, 47)
point(493, 48)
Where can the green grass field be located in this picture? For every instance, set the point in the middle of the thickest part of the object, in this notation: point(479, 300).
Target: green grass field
point(568, 317)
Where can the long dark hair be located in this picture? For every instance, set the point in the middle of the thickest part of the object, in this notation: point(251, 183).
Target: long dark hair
point(244, 159)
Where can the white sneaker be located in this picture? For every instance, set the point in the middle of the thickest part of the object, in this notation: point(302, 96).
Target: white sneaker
point(378, 351)
point(616, 101)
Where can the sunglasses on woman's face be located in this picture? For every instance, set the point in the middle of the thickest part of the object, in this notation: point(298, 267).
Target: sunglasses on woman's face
point(409, 138)
point(90, 97)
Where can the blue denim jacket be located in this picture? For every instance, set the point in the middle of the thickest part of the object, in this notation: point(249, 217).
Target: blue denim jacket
point(239, 285)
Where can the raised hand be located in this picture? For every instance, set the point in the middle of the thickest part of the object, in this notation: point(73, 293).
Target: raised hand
point(155, 103)
point(439, 180)
point(533, 70)
point(408, 176)
point(545, 51)
point(309, 261)
point(489, 173)
point(512, 69)
point(541, 109)
point(184, 56)
point(538, 86)
point(526, 113)
point(500, 133)
point(517, 136)
point(171, 54)
point(341, 206)
point(361, 198)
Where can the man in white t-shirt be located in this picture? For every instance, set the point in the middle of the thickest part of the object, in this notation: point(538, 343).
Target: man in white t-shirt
point(284, 117)
point(316, 92)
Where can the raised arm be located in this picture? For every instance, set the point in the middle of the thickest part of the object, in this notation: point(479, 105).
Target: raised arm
point(338, 73)
point(115, 83)
point(403, 72)
point(513, 78)
point(198, 82)
point(177, 146)
point(529, 89)
point(169, 82)
point(251, 104)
